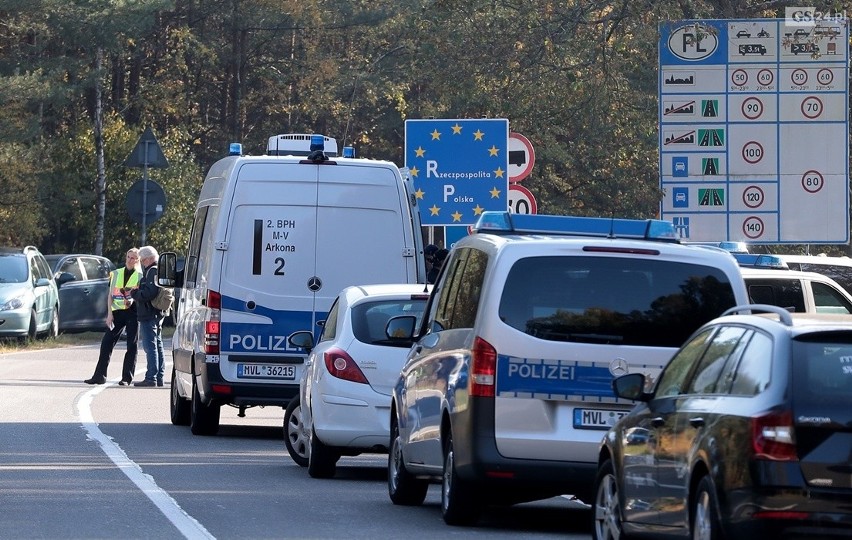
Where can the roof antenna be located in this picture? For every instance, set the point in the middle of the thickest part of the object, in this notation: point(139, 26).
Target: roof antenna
point(611, 225)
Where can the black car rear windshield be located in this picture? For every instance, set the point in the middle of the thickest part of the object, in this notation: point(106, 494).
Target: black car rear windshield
point(623, 301)
point(822, 371)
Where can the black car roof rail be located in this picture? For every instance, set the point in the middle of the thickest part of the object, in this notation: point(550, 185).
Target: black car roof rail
point(783, 313)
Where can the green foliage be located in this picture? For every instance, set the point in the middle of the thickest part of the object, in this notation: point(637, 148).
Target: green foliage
point(577, 78)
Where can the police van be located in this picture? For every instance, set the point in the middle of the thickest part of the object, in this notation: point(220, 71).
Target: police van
point(274, 239)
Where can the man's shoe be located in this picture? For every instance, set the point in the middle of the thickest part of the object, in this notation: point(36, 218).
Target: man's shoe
point(146, 382)
point(159, 382)
point(124, 383)
point(94, 381)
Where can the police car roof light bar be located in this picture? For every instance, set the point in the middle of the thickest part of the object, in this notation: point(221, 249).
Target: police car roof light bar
point(760, 261)
point(645, 229)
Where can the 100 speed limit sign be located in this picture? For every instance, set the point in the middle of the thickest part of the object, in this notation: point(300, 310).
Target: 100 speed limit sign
point(521, 200)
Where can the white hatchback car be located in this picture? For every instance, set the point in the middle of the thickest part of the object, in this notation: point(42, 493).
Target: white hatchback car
point(344, 399)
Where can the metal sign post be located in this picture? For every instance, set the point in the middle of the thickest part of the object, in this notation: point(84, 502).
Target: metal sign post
point(147, 153)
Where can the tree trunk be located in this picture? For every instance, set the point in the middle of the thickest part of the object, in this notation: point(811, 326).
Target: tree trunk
point(100, 185)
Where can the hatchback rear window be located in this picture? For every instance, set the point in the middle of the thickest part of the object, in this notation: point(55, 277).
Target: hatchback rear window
point(369, 319)
point(621, 301)
point(823, 374)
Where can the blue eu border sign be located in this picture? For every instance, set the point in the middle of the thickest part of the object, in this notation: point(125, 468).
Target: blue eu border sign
point(754, 130)
point(459, 168)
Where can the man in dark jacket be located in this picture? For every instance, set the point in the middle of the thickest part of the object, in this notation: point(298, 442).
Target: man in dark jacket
point(150, 318)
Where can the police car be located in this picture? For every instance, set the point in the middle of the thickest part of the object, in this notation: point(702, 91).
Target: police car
point(506, 392)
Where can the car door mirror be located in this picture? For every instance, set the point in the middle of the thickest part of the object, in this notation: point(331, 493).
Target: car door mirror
point(302, 339)
point(630, 386)
point(401, 327)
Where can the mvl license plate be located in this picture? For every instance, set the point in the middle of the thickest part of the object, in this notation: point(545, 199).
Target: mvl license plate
point(266, 371)
point(596, 418)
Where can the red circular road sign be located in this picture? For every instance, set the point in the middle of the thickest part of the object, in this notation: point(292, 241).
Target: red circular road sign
point(765, 77)
point(753, 196)
point(811, 107)
point(752, 108)
point(521, 200)
point(521, 157)
point(752, 152)
point(739, 77)
point(799, 77)
point(825, 76)
point(812, 181)
point(753, 227)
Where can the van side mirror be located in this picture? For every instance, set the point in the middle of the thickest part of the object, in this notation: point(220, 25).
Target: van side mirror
point(167, 270)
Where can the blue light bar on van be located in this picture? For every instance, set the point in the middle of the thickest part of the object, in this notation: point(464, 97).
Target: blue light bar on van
point(317, 143)
point(506, 222)
point(348, 151)
point(235, 149)
point(760, 261)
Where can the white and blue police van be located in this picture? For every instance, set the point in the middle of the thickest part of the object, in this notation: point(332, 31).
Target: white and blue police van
point(274, 239)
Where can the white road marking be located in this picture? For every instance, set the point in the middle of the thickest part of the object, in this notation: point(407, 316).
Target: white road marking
point(188, 526)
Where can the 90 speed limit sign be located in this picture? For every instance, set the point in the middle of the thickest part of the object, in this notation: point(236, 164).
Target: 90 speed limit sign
point(521, 200)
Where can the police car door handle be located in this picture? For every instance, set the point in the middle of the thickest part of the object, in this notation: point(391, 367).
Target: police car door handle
point(658, 421)
point(696, 422)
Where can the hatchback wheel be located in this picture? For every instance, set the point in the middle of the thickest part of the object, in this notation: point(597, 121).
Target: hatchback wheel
point(704, 514)
point(606, 510)
point(295, 439)
point(403, 488)
point(458, 500)
point(322, 459)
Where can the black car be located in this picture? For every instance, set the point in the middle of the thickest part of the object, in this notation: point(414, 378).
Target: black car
point(83, 282)
point(746, 434)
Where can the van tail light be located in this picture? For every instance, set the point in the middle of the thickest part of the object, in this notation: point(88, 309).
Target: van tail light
point(212, 326)
point(339, 364)
point(483, 368)
point(773, 437)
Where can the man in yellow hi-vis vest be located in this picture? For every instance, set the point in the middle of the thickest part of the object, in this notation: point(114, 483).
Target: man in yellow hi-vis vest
point(121, 314)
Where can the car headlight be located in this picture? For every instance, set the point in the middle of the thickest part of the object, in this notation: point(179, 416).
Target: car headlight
point(12, 303)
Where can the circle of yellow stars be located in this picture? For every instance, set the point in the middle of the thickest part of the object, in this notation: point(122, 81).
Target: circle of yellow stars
point(492, 152)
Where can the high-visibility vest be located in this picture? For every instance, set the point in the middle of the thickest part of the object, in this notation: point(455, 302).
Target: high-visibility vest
point(116, 282)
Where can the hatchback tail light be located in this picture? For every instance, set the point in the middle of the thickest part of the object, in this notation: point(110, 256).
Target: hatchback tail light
point(212, 326)
point(483, 367)
point(339, 364)
point(773, 437)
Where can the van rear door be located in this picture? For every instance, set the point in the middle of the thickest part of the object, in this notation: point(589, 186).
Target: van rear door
point(268, 269)
point(363, 230)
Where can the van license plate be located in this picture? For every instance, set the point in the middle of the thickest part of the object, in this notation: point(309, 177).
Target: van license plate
point(596, 418)
point(266, 371)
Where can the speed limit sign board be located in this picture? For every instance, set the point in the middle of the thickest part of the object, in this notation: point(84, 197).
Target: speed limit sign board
point(521, 200)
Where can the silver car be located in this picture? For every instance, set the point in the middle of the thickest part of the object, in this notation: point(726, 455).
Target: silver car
point(29, 299)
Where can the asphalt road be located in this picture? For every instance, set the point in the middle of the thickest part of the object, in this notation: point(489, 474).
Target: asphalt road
point(78, 461)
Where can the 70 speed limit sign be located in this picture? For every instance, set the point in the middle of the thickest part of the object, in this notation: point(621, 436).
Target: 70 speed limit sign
point(521, 200)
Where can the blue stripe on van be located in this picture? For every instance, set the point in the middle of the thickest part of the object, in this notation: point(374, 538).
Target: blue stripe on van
point(264, 338)
point(557, 379)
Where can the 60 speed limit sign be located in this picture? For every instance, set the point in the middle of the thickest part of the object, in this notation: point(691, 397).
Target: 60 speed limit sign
point(521, 200)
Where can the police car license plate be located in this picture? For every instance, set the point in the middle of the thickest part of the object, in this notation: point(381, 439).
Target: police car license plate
point(596, 418)
point(266, 371)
